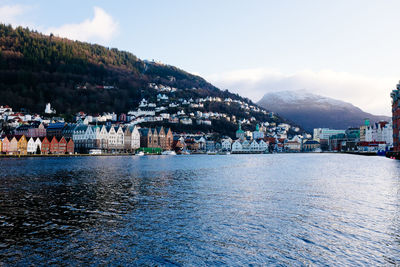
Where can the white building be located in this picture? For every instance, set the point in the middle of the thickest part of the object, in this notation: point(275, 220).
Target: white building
point(325, 133)
point(226, 144)
point(33, 144)
point(380, 132)
point(49, 110)
point(142, 112)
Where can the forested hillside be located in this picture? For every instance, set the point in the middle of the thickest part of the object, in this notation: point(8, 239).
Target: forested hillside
point(36, 69)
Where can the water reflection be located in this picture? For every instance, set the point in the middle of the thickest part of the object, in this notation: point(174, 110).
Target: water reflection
point(200, 210)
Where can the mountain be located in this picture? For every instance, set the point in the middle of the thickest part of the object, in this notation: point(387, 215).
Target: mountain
point(76, 76)
point(315, 111)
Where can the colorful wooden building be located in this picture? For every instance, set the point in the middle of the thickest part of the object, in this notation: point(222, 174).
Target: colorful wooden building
point(70, 146)
point(22, 145)
point(54, 146)
point(45, 149)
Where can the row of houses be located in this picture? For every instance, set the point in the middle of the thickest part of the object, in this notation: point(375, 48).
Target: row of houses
point(20, 145)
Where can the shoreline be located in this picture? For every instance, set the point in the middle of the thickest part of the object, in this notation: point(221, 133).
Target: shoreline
point(194, 153)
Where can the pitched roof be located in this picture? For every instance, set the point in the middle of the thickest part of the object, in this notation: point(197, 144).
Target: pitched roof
point(144, 131)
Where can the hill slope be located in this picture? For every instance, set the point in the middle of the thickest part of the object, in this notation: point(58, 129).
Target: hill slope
point(36, 69)
point(315, 111)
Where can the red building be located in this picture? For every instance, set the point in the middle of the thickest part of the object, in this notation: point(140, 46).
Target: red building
point(396, 117)
point(45, 145)
point(70, 146)
point(62, 145)
point(54, 145)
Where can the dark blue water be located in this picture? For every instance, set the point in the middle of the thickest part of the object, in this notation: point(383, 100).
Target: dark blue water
point(288, 209)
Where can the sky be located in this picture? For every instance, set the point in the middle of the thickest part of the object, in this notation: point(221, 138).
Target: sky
point(345, 49)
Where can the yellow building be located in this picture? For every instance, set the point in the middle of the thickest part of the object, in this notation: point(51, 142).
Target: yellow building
point(1, 145)
point(22, 145)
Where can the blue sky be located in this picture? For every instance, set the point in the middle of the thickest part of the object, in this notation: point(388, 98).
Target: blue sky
point(342, 49)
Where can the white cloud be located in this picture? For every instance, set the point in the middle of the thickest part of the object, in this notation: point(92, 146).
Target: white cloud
point(101, 28)
point(369, 93)
point(13, 14)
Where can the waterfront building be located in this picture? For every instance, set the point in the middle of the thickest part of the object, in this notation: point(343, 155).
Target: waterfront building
point(226, 144)
point(5, 145)
point(363, 130)
point(62, 145)
point(254, 146)
point(210, 145)
point(161, 137)
point(45, 149)
point(70, 146)
point(131, 138)
point(310, 145)
point(169, 137)
point(322, 135)
point(237, 146)
point(337, 141)
point(381, 132)
point(246, 145)
point(83, 137)
point(31, 148)
point(1, 145)
point(325, 133)
point(37, 145)
point(263, 146)
point(292, 146)
point(178, 144)
point(201, 143)
point(100, 140)
point(115, 138)
point(145, 137)
point(13, 149)
point(54, 145)
point(395, 95)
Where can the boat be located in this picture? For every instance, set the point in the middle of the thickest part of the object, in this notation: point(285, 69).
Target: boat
point(211, 153)
point(185, 152)
point(140, 153)
point(168, 153)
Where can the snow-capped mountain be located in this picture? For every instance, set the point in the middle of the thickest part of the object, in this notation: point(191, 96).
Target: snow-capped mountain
point(315, 111)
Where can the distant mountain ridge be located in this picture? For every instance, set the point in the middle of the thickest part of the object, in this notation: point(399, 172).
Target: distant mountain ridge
point(315, 111)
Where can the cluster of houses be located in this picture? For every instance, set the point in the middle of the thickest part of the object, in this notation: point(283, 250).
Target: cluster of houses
point(109, 133)
point(368, 138)
point(21, 145)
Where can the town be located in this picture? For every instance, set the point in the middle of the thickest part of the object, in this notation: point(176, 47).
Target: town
point(33, 134)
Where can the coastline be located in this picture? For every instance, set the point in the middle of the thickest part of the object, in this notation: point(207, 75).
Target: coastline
point(194, 153)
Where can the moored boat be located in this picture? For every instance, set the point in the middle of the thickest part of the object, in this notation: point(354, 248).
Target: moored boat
point(168, 153)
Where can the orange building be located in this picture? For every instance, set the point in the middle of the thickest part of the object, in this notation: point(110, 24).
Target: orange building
point(22, 145)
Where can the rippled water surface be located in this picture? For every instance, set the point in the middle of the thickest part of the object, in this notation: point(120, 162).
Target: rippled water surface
point(289, 209)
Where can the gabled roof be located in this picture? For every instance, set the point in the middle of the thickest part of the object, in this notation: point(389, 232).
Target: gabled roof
point(144, 131)
point(81, 127)
point(159, 129)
